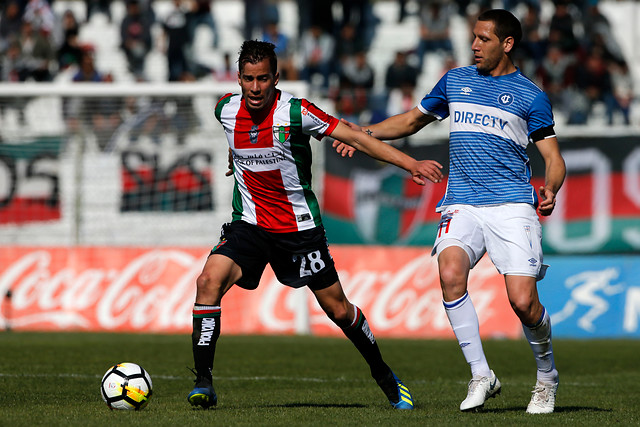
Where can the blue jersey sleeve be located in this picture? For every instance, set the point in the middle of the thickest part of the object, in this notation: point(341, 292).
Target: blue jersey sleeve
point(435, 102)
point(540, 114)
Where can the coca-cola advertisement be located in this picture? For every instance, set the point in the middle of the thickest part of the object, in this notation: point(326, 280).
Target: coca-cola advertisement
point(153, 290)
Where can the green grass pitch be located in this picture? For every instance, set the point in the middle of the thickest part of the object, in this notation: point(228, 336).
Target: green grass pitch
point(52, 379)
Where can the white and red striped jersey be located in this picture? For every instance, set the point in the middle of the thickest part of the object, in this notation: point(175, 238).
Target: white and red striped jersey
point(272, 161)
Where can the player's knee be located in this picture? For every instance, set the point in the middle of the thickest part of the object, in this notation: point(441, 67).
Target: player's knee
point(452, 281)
point(206, 285)
point(523, 306)
point(339, 314)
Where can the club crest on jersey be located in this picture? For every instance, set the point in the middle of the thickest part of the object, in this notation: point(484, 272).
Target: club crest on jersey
point(281, 133)
point(505, 99)
point(384, 193)
point(253, 134)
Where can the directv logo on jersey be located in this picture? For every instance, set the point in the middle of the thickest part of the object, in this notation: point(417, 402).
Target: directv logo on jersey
point(505, 99)
point(469, 117)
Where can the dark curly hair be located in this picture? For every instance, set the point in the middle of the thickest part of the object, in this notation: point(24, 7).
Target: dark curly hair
point(254, 51)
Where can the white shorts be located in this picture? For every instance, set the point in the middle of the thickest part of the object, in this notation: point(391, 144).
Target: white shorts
point(510, 233)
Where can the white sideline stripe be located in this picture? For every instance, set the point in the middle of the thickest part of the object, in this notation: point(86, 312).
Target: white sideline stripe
point(173, 377)
point(301, 379)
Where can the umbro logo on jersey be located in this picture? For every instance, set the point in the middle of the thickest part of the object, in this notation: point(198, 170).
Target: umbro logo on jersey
point(466, 90)
point(505, 99)
point(532, 262)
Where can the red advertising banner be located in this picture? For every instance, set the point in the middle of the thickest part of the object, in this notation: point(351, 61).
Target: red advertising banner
point(153, 290)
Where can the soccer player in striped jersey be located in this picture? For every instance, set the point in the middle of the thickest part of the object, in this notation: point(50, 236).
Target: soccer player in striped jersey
point(276, 218)
point(489, 204)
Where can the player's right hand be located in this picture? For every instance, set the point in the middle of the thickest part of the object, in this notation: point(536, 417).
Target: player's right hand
point(343, 149)
point(230, 164)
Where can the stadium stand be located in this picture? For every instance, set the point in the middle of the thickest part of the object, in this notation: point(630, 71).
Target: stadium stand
point(102, 34)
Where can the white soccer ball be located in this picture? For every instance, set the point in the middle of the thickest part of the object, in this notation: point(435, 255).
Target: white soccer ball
point(126, 386)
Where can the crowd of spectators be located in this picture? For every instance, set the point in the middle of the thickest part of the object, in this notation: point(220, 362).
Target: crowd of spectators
point(574, 56)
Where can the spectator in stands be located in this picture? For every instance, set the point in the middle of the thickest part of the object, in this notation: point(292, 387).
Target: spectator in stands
point(69, 50)
point(135, 37)
point(555, 74)
point(11, 71)
point(358, 13)
point(87, 72)
point(317, 47)
point(41, 16)
point(356, 73)
point(284, 50)
point(400, 80)
point(593, 84)
point(78, 111)
point(107, 116)
point(143, 116)
point(532, 46)
point(202, 14)
point(184, 118)
point(357, 78)
point(227, 73)
point(561, 27)
point(348, 44)
point(402, 10)
point(622, 83)
point(512, 5)
point(400, 73)
point(10, 24)
point(70, 53)
point(177, 40)
point(304, 16)
point(38, 54)
point(67, 22)
point(598, 33)
point(256, 14)
point(98, 6)
point(435, 21)
point(11, 64)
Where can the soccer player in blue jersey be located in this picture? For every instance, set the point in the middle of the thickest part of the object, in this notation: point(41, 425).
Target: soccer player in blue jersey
point(489, 204)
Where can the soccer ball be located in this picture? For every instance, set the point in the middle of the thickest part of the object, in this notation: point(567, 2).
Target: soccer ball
point(126, 386)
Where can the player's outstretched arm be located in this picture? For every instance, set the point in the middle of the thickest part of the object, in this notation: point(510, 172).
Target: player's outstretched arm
point(395, 127)
point(400, 125)
point(419, 170)
point(555, 172)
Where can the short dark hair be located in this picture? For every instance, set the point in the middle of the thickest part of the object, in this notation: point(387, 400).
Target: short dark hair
point(254, 51)
point(506, 24)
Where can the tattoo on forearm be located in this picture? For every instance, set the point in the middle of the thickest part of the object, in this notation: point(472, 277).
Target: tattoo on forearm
point(369, 132)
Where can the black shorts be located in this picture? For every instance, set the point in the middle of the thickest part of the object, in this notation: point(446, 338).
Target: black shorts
point(298, 259)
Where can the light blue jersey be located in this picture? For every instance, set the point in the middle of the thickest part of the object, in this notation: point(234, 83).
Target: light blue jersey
point(493, 119)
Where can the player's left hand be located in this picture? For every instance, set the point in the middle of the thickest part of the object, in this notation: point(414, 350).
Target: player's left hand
point(429, 169)
point(547, 201)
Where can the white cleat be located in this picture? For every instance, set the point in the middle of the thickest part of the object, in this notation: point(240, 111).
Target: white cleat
point(480, 389)
point(543, 398)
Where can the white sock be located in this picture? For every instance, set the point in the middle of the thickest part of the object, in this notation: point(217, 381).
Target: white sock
point(464, 321)
point(539, 337)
